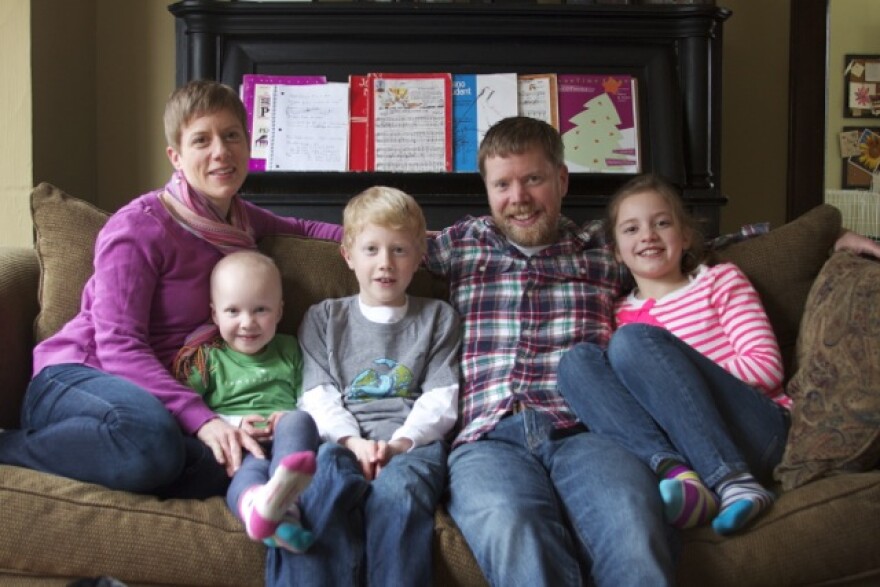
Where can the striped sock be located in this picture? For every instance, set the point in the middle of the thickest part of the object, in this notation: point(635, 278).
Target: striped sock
point(262, 507)
point(687, 502)
point(742, 500)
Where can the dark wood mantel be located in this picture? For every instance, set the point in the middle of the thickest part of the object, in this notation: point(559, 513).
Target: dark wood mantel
point(674, 51)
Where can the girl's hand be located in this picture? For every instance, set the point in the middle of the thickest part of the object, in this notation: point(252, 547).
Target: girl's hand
point(227, 442)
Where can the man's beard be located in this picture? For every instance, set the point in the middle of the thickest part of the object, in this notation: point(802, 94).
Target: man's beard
point(543, 232)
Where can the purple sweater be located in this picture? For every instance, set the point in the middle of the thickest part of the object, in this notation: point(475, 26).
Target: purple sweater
point(149, 291)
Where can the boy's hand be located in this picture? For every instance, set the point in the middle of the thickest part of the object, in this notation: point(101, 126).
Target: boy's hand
point(388, 450)
point(257, 427)
point(366, 452)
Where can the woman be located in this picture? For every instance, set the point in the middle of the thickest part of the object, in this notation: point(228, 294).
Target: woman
point(103, 406)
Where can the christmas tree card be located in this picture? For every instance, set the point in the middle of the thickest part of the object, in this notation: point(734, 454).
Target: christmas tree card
point(598, 120)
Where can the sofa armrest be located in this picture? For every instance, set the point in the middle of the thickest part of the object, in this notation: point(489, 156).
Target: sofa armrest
point(19, 284)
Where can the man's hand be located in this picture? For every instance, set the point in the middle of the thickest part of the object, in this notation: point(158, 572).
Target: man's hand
point(226, 442)
point(858, 244)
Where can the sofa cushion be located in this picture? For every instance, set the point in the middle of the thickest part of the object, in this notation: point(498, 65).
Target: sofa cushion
point(71, 529)
point(799, 541)
point(782, 265)
point(835, 424)
point(66, 229)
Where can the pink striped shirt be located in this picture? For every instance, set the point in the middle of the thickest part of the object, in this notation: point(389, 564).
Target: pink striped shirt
point(720, 315)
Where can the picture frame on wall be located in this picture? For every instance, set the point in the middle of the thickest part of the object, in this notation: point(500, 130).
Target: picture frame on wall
point(862, 156)
point(862, 85)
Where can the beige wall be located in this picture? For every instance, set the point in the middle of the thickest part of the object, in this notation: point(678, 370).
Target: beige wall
point(63, 72)
point(101, 82)
point(16, 168)
point(102, 70)
point(754, 118)
point(135, 76)
point(854, 28)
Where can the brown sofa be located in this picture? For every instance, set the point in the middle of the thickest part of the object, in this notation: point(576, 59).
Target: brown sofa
point(821, 531)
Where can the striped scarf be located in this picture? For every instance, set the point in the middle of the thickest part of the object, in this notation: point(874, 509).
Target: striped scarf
point(195, 213)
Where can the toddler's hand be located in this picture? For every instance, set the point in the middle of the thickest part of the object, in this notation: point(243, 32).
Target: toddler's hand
point(257, 427)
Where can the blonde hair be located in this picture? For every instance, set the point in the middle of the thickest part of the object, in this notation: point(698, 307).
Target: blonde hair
point(195, 99)
point(387, 207)
point(518, 134)
point(695, 253)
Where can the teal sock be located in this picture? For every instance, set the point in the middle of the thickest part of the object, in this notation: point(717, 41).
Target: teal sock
point(290, 535)
point(743, 499)
point(687, 502)
point(262, 507)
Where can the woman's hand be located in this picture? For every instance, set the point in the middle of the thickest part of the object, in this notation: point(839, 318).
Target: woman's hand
point(226, 442)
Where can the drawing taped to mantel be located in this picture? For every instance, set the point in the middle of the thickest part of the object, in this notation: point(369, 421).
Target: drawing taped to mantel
point(309, 128)
point(257, 93)
point(598, 120)
point(478, 102)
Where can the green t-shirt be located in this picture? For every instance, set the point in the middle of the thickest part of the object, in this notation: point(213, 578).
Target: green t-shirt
point(239, 385)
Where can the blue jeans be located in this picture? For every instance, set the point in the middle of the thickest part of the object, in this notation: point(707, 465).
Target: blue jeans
point(378, 533)
point(331, 509)
point(661, 399)
point(82, 423)
point(295, 432)
point(399, 516)
point(545, 507)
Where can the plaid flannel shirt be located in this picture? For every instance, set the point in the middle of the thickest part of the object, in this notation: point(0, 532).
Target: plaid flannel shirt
point(521, 313)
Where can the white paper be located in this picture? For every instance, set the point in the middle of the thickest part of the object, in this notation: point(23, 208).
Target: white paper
point(410, 124)
point(310, 128)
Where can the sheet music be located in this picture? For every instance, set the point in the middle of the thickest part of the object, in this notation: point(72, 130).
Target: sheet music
point(410, 124)
point(310, 128)
point(537, 98)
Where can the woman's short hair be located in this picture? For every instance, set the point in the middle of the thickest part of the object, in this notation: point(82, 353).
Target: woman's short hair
point(195, 99)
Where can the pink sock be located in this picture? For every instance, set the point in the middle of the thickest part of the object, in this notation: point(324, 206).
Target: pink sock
point(262, 507)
